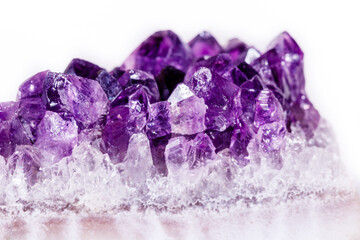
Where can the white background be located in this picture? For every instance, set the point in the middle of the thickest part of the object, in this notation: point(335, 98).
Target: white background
point(39, 35)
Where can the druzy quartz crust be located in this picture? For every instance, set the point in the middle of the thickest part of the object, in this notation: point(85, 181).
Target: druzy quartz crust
point(175, 125)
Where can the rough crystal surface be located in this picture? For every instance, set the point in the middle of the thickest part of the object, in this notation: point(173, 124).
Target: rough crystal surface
point(56, 134)
point(82, 98)
point(187, 112)
point(158, 124)
point(220, 96)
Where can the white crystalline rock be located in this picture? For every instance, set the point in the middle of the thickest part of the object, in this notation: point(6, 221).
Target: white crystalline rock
point(2, 178)
point(87, 181)
point(138, 164)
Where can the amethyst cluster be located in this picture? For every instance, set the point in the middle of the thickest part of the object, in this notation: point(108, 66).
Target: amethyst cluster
point(192, 101)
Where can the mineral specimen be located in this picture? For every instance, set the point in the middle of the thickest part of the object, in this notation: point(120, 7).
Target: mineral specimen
point(171, 110)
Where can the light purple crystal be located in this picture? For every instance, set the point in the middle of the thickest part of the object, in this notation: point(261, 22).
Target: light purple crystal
point(176, 155)
point(56, 134)
point(26, 161)
point(267, 109)
point(83, 98)
point(240, 140)
point(304, 112)
point(201, 151)
point(187, 113)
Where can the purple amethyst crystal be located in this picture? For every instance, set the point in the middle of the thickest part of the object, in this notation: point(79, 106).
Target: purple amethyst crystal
point(57, 135)
point(131, 80)
point(200, 151)
point(304, 112)
point(220, 96)
point(204, 44)
point(167, 80)
point(221, 140)
point(157, 147)
point(32, 87)
point(116, 133)
point(12, 132)
point(82, 98)
point(236, 49)
point(31, 112)
point(282, 65)
point(240, 52)
point(220, 64)
point(161, 49)
point(109, 84)
point(187, 114)
point(267, 109)
point(170, 108)
point(249, 92)
point(158, 124)
point(7, 116)
point(239, 142)
point(89, 70)
point(83, 68)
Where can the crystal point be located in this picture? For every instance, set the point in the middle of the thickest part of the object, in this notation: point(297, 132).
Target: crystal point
point(204, 44)
point(163, 48)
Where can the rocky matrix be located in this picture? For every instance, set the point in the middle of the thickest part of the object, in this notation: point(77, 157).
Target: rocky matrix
point(175, 126)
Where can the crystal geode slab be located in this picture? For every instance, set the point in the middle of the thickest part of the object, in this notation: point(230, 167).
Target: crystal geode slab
point(175, 127)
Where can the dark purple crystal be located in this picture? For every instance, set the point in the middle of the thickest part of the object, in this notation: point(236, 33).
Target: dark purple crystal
point(167, 80)
point(83, 68)
point(117, 132)
point(163, 48)
point(220, 96)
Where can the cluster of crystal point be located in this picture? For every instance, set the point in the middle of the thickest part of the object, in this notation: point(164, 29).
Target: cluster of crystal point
point(181, 104)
